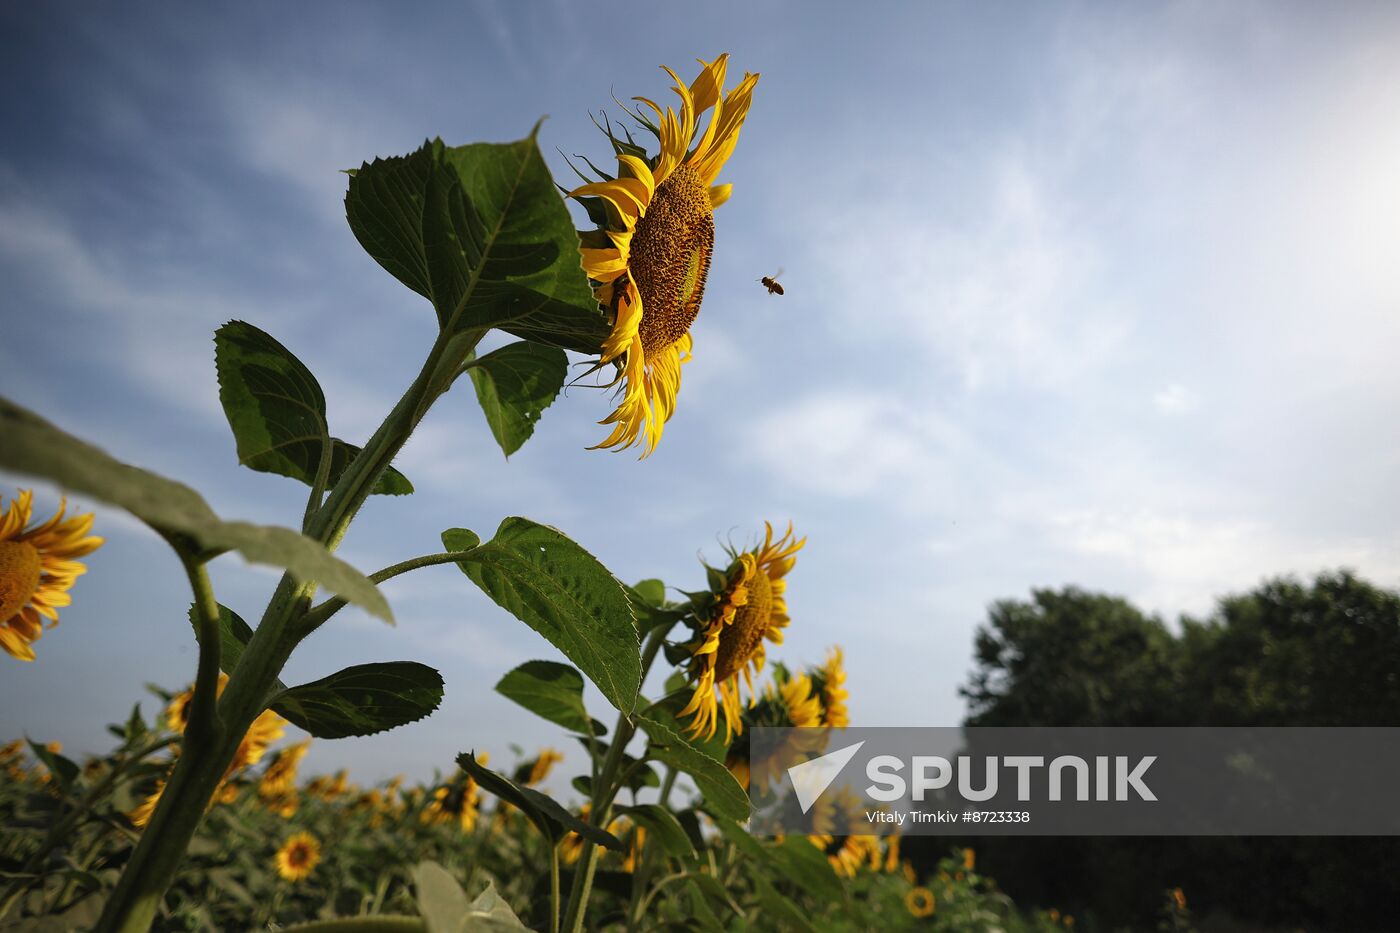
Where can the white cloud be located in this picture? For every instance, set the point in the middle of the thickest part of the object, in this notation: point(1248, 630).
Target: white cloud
point(1175, 399)
point(845, 443)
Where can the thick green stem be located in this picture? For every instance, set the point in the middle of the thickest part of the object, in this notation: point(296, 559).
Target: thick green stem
point(153, 864)
point(604, 790)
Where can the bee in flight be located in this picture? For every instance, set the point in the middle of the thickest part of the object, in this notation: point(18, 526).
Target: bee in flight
point(771, 283)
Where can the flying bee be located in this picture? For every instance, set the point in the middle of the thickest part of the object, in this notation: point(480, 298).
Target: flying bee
point(771, 283)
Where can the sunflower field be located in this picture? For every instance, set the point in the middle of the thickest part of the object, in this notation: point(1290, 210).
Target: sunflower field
point(200, 818)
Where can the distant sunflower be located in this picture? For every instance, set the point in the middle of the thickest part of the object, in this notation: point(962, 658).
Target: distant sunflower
point(281, 775)
point(834, 816)
point(786, 703)
point(37, 569)
point(541, 766)
point(298, 856)
point(920, 902)
point(650, 257)
point(831, 678)
point(457, 801)
point(747, 606)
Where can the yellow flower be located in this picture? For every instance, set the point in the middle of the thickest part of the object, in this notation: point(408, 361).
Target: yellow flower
point(11, 750)
point(265, 730)
point(142, 814)
point(298, 856)
point(280, 778)
point(790, 703)
point(634, 849)
point(969, 859)
point(37, 569)
point(891, 853)
point(229, 794)
point(329, 788)
point(539, 770)
point(1179, 898)
point(650, 257)
point(833, 818)
point(920, 902)
point(748, 607)
point(833, 676)
point(458, 800)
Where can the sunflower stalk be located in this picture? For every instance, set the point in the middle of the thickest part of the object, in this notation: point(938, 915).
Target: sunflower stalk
point(605, 788)
point(196, 777)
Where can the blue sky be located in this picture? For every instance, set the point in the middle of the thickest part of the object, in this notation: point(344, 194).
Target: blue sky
point(1076, 293)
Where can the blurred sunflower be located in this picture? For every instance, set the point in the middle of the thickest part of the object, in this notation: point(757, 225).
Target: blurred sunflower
point(834, 817)
point(920, 902)
point(298, 856)
point(458, 800)
point(787, 702)
point(830, 679)
point(746, 606)
point(541, 766)
point(634, 849)
point(37, 569)
point(651, 254)
point(280, 778)
point(277, 788)
point(264, 731)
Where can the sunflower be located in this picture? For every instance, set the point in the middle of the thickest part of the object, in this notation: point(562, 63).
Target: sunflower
point(37, 568)
point(459, 800)
point(265, 730)
point(787, 702)
point(920, 902)
point(834, 816)
point(650, 256)
point(280, 778)
point(298, 856)
point(830, 678)
point(541, 766)
point(747, 606)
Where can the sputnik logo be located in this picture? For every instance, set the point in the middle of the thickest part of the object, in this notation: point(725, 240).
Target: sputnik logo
point(811, 778)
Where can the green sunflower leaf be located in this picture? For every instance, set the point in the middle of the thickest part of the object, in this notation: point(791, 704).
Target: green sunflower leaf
point(514, 385)
point(664, 828)
point(64, 770)
point(548, 689)
point(806, 865)
point(441, 900)
point(561, 591)
point(548, 815)
point(723, 794)
point(482, 233)
point(34, 447)
point(363, 699)
point(788, 915)
point(278, 412)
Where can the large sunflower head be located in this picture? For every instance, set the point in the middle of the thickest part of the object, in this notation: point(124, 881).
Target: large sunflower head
point(650, 255)
point(746, 605)
point(37, 568)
